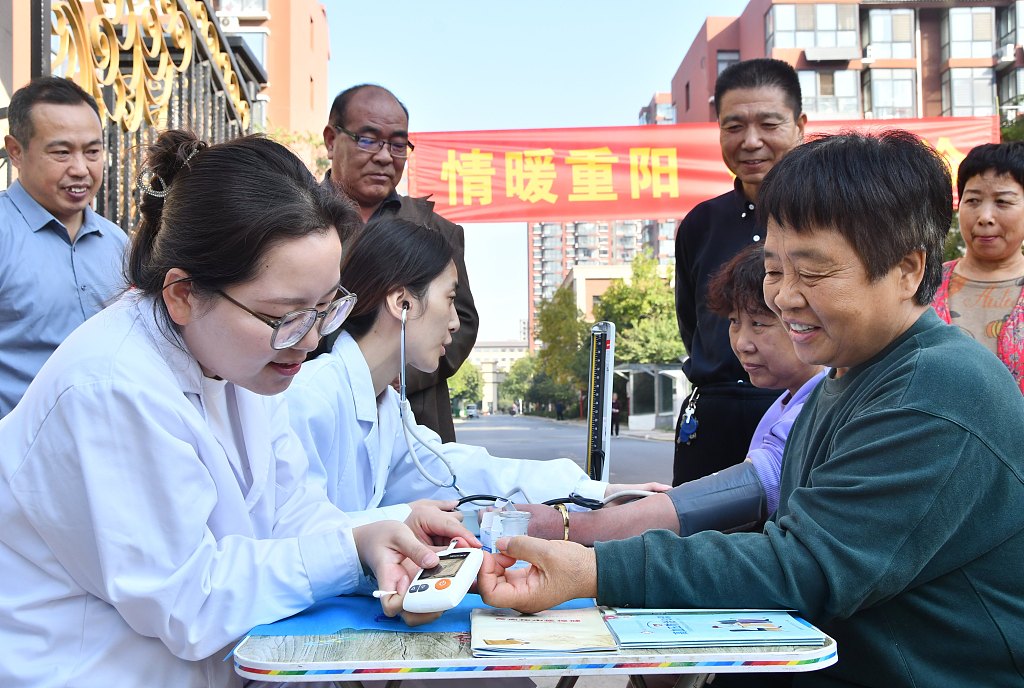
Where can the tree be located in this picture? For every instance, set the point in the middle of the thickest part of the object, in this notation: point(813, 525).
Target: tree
point(308, 145)
point(560, 326)
point(644, 315)
point(467, 384)
point(544, 390)
point(954, 247)
point(1014, 131)
point(517, 381)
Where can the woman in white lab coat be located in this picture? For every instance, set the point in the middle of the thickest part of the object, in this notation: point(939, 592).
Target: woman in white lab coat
point(347, 414)
point(154, 501)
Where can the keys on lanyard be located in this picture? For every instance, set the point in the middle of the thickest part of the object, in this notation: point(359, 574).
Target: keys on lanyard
point(688, 428)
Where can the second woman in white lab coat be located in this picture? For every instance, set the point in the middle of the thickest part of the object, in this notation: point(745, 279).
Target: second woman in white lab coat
point(154, 501)
point(347, 414)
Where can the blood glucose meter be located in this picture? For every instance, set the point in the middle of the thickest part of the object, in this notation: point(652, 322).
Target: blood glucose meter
point(443, 586)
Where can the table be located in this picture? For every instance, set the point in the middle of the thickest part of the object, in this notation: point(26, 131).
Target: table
point(350, 655)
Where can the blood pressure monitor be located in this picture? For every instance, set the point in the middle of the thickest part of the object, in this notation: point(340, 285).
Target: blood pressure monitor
point(442, 587)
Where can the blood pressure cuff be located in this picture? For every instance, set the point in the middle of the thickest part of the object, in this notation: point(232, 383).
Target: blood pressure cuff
point(727, 500)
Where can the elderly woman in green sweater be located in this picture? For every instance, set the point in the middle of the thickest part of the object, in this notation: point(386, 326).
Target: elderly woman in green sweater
point(899, 530)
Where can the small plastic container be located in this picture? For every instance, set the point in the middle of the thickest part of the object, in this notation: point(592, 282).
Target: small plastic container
point(503, 523)
point(514, 522)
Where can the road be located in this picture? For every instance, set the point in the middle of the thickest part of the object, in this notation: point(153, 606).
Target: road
point(527, 437)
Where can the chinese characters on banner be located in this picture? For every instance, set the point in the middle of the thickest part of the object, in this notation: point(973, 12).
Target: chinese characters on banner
point(607, 173)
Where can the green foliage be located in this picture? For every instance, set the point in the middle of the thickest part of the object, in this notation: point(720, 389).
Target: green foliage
point(308, 145)
point(467, 384)
point(543, 389)
point(1014, 131)
point(560, 326)
point(644, 315)
point(954, 247)
point(517, 382)
point(651, 340)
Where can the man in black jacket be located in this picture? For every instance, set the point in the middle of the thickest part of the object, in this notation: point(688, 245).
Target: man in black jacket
point(760, 120)
point(367, 139)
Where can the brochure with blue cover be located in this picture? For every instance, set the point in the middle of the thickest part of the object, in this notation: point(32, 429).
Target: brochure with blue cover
point(635, 628)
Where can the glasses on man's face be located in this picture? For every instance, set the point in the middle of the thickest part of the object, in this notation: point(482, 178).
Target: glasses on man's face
point(291, 327)
point(398, 149)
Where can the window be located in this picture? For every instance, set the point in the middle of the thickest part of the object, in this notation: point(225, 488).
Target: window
point(891, 33)
point(242, 6)
point(1011, 90)
point(686, 92)
point(830, 93)
point(727, 58)
point(823, 25)
point(968, 32)
point(257, 42)
point(552, 230)
point(890, 93)
point(259, 112)
point(968, 92)
point(552, 280)
point(666, 113)
point(1006, 24)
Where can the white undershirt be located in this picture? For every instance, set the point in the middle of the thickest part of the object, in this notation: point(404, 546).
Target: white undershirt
point(218, 397)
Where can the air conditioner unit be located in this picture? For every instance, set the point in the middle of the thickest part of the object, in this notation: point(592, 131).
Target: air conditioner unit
point(1007, 53)
point(228, 23)
point(869, 54)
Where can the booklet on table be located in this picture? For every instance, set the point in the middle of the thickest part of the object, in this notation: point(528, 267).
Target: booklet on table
point(653, 628)
point(496, 632)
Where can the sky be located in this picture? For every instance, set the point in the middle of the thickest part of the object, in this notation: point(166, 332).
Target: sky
point(512, 64)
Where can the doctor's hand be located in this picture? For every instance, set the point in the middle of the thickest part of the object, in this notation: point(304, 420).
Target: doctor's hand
point(394, 554)
point(559, 571)
point(437, 523)
point(643, 487)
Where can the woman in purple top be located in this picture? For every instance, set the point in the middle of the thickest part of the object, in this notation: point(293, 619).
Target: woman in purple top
point(741, 496)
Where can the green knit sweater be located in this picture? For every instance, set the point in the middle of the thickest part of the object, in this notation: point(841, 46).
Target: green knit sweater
point(900, 531)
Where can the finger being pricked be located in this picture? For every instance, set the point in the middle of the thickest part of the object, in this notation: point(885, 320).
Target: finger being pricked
point(558, 571)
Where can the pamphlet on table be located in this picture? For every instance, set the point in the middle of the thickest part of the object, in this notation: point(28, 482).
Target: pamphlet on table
point(653, 628)
point(498, 632)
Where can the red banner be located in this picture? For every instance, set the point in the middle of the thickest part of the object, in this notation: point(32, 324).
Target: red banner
point(610, 173)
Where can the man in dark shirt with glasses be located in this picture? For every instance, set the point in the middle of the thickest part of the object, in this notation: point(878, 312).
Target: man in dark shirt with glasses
point(367, 139)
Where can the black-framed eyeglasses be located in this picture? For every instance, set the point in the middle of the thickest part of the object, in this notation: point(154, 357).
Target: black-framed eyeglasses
point(291, 327)
point(398, 149)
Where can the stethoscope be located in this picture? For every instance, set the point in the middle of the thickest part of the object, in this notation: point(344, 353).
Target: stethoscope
point(412, 433)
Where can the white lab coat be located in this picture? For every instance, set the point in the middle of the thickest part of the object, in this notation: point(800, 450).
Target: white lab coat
point(130, 554)
point(356, 447)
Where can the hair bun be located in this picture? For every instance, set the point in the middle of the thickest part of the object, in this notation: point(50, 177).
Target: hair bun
point(172, 150)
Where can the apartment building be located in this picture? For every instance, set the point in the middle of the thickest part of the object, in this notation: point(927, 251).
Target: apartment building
point(868, 60)
point(289, 39)
point(555, 248)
